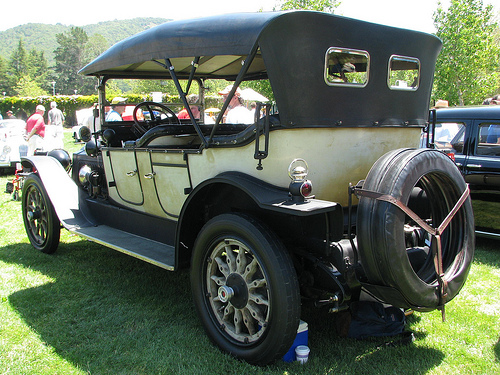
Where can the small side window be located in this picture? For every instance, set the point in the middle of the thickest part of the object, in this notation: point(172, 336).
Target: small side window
point(404, 73)
point(450, 136)
point(489, 139)
point(346, 67)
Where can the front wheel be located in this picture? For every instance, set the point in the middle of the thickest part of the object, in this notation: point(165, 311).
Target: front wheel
point(40, 219)
point(245, 288)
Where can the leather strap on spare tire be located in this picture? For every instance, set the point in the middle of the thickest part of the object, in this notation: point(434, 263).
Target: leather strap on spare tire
point(393, 272)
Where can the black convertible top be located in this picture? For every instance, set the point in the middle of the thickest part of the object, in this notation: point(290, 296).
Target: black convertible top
point(288, 48)
point(220, 40)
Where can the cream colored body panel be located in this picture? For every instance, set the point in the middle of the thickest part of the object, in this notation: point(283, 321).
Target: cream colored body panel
point(171, 180)
point(160, 178)
point(336, 157)
point(121, 165)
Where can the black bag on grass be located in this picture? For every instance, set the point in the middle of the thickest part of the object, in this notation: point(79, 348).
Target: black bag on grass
point(372, 319)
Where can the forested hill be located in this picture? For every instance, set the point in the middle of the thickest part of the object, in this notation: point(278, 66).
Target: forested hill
point(42, 37)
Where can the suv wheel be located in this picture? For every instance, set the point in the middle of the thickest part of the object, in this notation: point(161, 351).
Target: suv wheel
point(245, 288)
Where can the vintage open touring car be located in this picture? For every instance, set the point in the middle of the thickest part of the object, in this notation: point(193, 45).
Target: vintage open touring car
point(322, 195)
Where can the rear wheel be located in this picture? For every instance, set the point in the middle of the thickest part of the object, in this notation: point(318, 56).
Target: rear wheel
point(40, 219)
point(245, 288)
point(395, 251)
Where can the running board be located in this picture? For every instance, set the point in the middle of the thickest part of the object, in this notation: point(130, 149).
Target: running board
point(157, 253)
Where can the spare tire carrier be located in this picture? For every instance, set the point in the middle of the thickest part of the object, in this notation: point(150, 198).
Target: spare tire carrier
point(434, 232)
point(414, 229)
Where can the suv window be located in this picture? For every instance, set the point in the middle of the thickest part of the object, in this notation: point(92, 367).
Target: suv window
point(450, 135)
point(489, 139)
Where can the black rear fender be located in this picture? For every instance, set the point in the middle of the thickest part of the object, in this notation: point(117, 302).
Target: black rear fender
point(311, 224)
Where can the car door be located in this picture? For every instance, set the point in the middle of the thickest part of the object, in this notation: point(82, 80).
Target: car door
point(451, 137)
point(165, 181)
point(155, 182)
point(482, 167)
point(482, 171)
point(125, 184)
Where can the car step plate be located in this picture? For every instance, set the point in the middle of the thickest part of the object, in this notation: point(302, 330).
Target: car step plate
point(154, 252)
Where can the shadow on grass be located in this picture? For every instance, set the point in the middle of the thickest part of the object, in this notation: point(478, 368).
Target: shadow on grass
point(487, 251)
point(106, 312)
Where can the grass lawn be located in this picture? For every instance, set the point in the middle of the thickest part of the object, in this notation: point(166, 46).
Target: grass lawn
point(89, 309)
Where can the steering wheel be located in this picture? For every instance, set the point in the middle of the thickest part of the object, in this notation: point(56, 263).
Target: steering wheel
point(147, 115)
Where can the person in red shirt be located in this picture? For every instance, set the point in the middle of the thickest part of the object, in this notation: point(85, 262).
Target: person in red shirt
point(184, 114)
point(35, 130)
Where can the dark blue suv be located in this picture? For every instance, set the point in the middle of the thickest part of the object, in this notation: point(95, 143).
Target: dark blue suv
point(471, 135)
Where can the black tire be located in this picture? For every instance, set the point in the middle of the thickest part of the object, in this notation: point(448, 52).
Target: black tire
point(40, 219)
point(258, 322)
point(394, 250)
point(9, 188)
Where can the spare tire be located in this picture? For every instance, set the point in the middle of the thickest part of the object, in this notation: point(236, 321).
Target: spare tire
point(394, 251)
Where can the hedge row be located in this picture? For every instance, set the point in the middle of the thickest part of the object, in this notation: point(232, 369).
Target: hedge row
point(24, 107)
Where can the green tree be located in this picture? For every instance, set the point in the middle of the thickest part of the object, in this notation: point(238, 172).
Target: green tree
point(148, 86)
point(70, 57)
point(29, 87)
point(25, 71)
point(4, 78)
point(19, 61)
point(467, 70)
point(327, 6)
point(38, 68)
point(95, 45)
point(262, 87)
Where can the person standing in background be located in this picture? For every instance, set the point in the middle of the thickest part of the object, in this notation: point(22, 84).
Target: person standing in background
point(56, 120)
point(35, 130)
point(237, 113)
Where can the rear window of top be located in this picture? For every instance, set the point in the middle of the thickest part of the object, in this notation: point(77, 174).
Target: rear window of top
point(404, 73)
point(346, 67)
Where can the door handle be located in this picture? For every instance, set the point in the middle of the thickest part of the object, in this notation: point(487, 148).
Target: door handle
point(131, 173)
point(474, 166)
point(149, 176)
